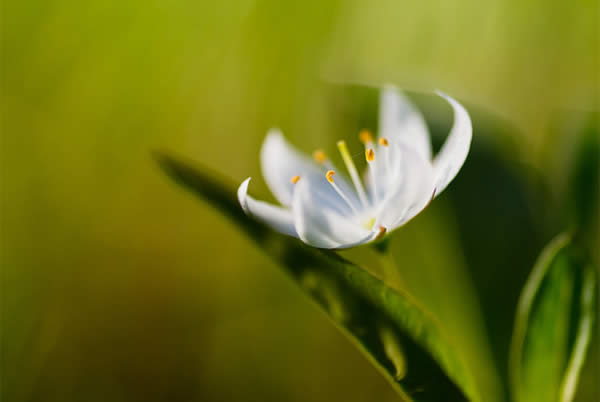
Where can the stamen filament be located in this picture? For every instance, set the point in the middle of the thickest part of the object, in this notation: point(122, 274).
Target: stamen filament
point(386, 153)
point(353, 172)
point(329, 175)
point(370, 156)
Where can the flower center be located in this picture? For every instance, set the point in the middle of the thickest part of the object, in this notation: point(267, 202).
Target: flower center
point(353, 172)
point(367, 139)
point(365, 211)
point(368, 224)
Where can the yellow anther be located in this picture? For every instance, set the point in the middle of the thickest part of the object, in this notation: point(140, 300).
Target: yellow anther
point(383, 141)
point(329, 175)
point(319, 156)
point(295, 179)
point(365, 136)
point(382, 230)
point(370, 155)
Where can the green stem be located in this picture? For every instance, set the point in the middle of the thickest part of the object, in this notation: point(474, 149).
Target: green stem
point(391, 273)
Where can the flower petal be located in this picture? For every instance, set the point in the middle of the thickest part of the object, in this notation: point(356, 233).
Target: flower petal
point(322, 227)
point(387, 171)
point(278, 218)
point(401, 121)
point(280, 162)
point(412, 191)
point(453, 153)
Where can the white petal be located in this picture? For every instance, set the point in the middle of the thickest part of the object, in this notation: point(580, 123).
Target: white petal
point(322, 227)
point(372, 235)
point(411, 193)
point(388, 171)
point(280, 162)
point(401, 121)
point(278, 218)
point(451, 157)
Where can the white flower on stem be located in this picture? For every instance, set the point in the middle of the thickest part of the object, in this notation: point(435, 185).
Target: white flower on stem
point(322, 208)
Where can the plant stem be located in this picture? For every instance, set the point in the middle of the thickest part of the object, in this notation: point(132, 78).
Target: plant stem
point(391, 273)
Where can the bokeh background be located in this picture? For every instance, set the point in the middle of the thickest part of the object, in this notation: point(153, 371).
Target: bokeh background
point(118, 286)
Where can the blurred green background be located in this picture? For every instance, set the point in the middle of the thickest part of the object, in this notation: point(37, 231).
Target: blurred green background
point(117, 285)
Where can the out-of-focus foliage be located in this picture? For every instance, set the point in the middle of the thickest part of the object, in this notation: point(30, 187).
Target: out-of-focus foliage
point(117, 287)
point(584, 180)
point(553, 325)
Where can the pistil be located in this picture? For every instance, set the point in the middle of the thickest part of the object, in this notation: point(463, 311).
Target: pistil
point(353, 172)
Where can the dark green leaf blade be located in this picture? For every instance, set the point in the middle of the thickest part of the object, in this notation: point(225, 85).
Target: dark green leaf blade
point(553, 325)
point(398, 336)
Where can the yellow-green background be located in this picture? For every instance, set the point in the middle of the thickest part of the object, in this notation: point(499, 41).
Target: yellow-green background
point(117, 286)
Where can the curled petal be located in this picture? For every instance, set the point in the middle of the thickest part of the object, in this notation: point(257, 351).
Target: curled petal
point(401, 121)
point(322, 227)
point(278, 218)
point(453, 153)
point(412, 191)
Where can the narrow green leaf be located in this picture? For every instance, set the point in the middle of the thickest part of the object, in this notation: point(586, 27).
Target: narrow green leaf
point(395, 333)
point(553, 325)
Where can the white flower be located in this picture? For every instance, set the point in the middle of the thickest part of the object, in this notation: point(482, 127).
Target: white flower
point(322, 209)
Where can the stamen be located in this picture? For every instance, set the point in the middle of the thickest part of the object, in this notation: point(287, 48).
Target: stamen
point(384, 143)
point(329, 175)
point(295, 179)
point(353, 173)
point(370, 156)
point(319, 156)
point(382, 230)
point(365, 137)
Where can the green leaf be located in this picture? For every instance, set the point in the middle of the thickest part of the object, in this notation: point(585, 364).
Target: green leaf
point(553, 326)
point(405, 342)
point(443, 285)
